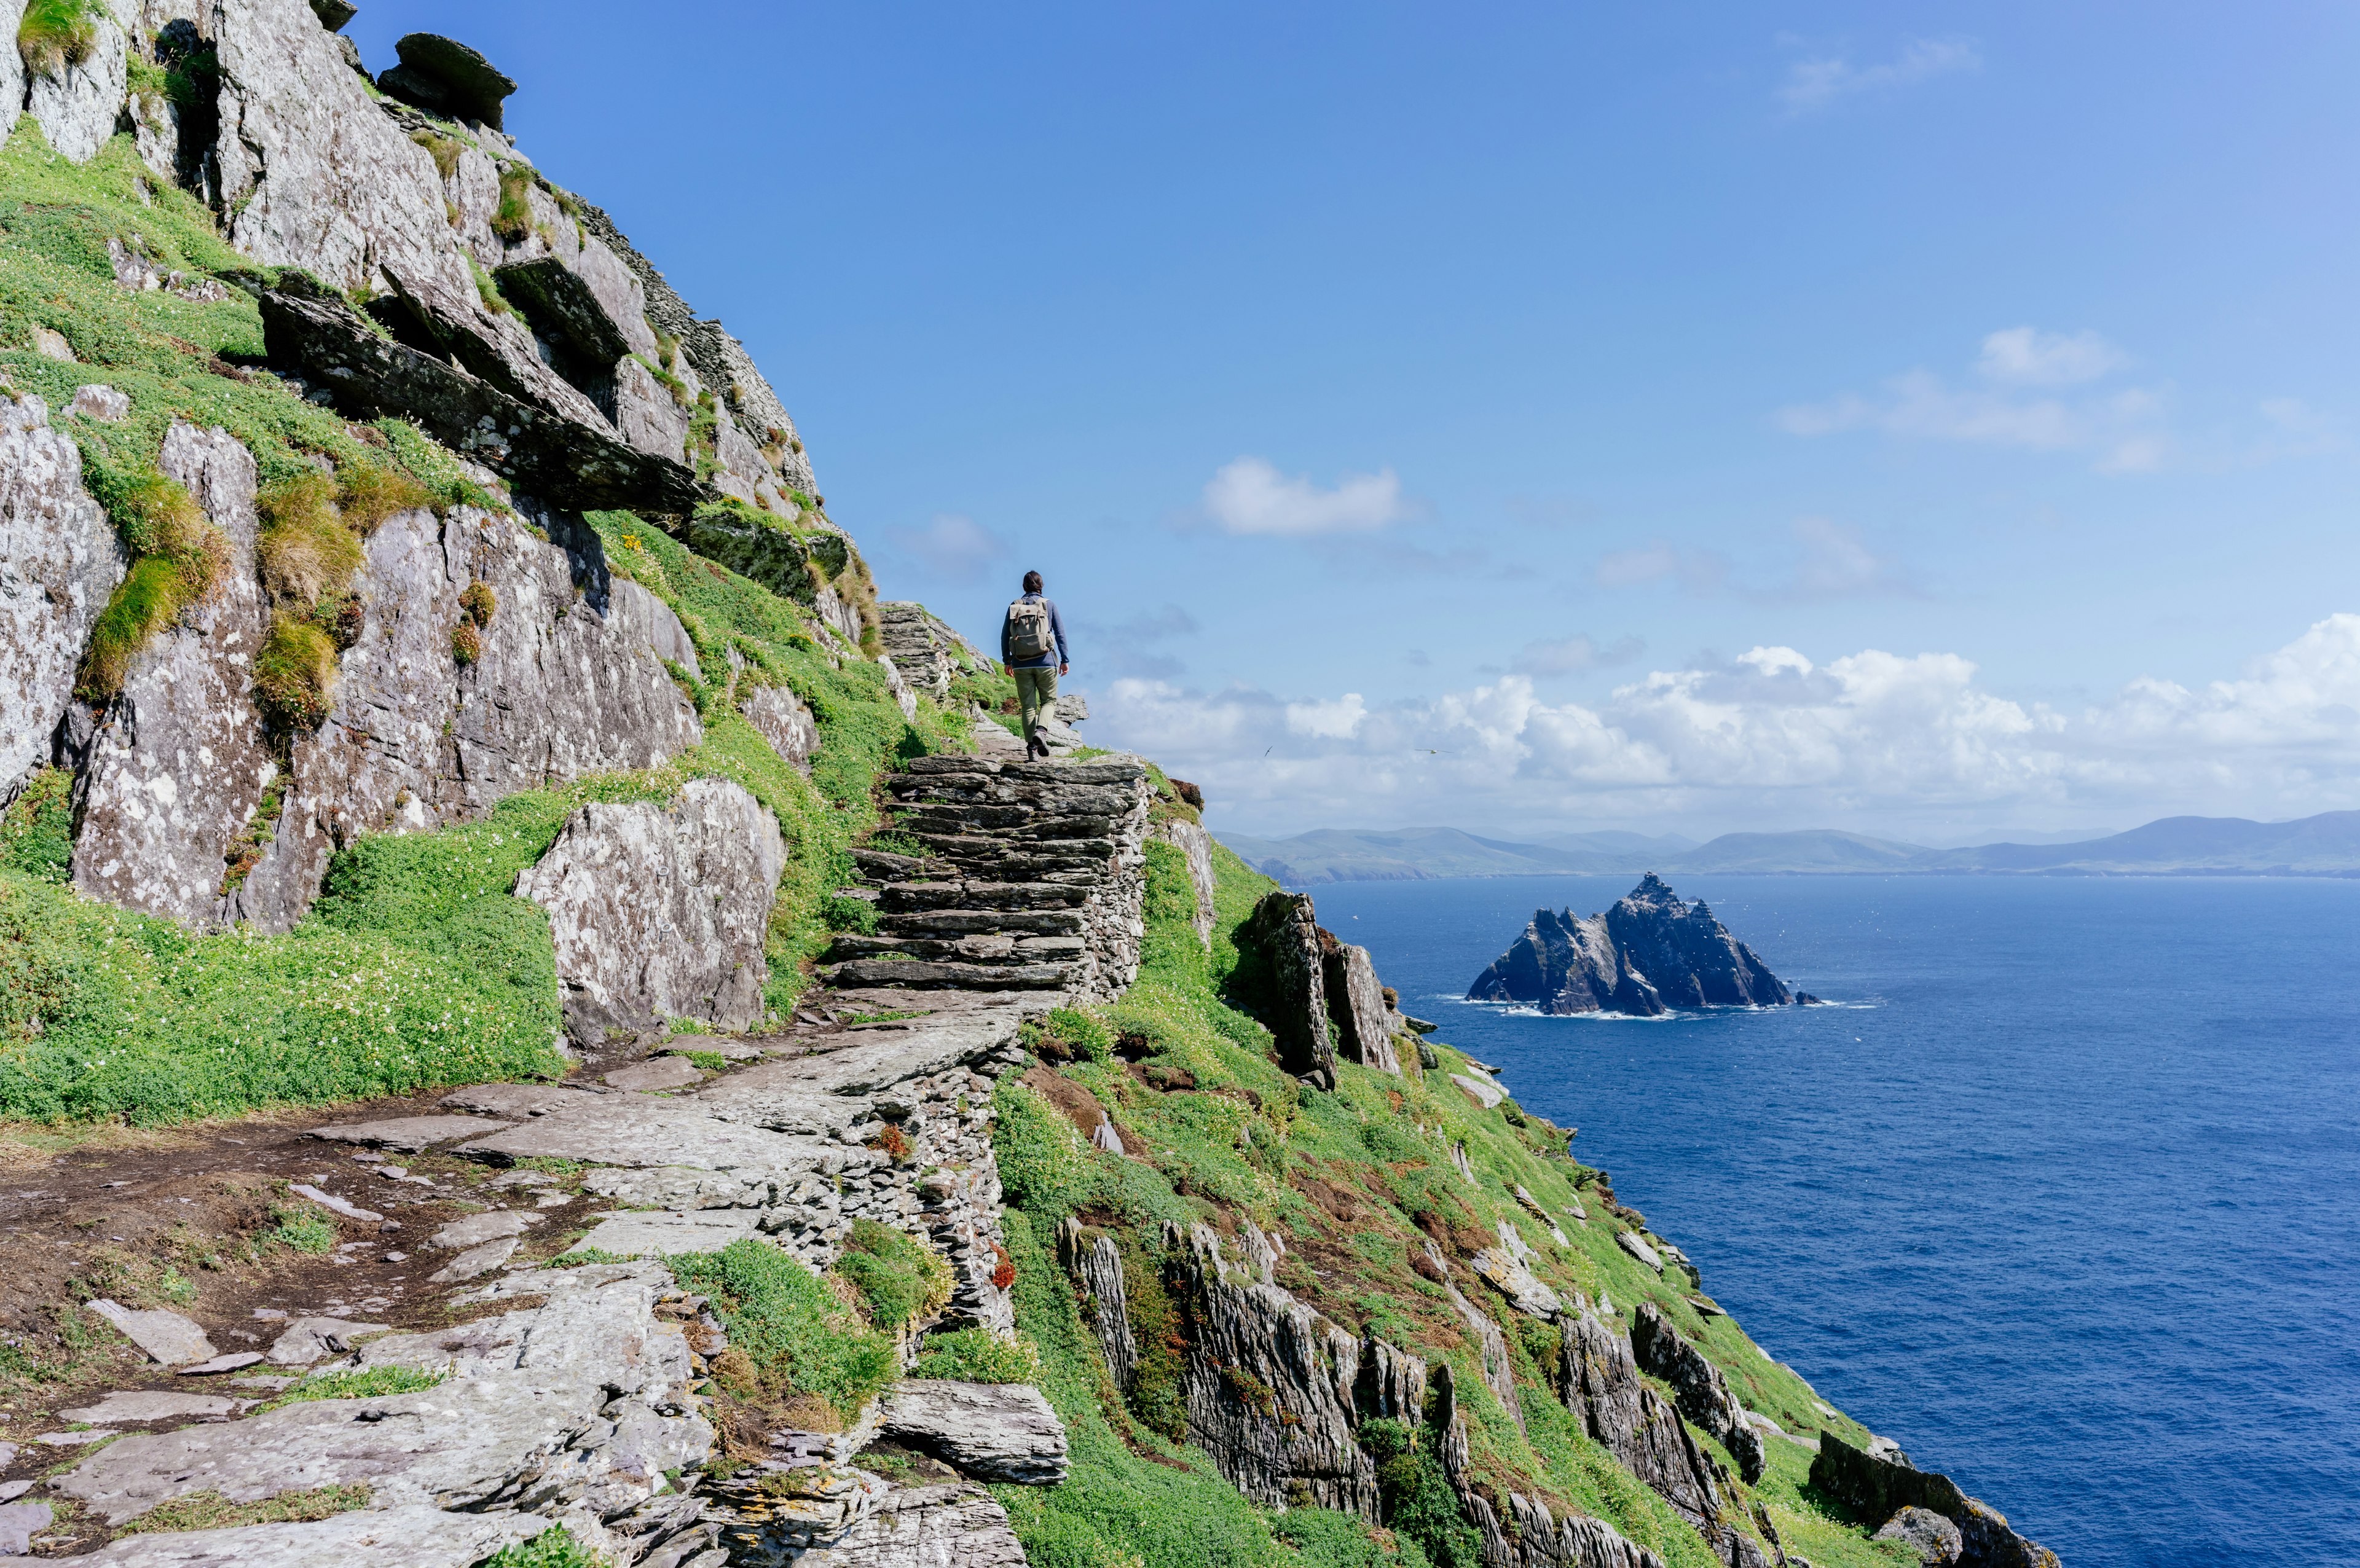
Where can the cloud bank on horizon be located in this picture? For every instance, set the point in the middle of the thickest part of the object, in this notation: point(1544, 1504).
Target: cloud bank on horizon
point(1769, 739)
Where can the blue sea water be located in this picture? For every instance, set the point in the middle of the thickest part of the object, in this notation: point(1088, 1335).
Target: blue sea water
point(2065, 1197)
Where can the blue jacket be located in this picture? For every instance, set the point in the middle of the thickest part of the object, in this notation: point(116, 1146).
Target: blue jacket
point(1057, 626)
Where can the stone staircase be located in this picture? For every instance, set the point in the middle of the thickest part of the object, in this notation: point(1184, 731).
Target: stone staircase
point(1032, 881)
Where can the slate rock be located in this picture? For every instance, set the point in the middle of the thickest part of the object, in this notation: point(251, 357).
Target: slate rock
point(444, 76)
point(1699, 1389)
point(1936, 1540)
point(632, 1130)
point(1879, 1488)
point(555, 454)
point(307, 1339)
point(1096, 1269)
point(178, 761)
point(662, 913)
point(411, 1135)
point(570, 679)
point(515, 1101)
point(922, 1527)
point(1291, 1440)
point(1487, 1093)
point(662, 1235)
point(335, 14)
point(236, 1360)
point(100, 402)
point(335, 1204)
point(416, 1536)
point(662, 1072)
point(165, 1336)
point(77, 105)
point(566, 313)
point(131, 1408)
point(991, 1432)
point(19, 1522)
point(785, 721)
point(476, 1262)
point(709, 1045)
point(1191, 841)
point(1282, 933)
point(474, 1230)
point(1599, 1382)
point(1628, 1240)
point(1357, 1002)
point(1506, 1270)
point(60, 561)
point(647, 416)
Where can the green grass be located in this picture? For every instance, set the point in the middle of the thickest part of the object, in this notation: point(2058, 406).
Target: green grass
point(795, 1337)
point(973, 1356)
point(900, 1278)
point(210, 1511)
point(302, 1228)
point(55, 34)
point(36, 830)
point(368, 1383)
point(583, 1257)
point(556, 1547)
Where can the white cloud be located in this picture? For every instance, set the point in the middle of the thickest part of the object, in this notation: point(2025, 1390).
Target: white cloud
point(2121, 429)
point(1873, 740)
point(1251, 497)
point(2033, 358)
point(1836, 563)
point(952, 545)
point(1698, 570)
point(1812, 85)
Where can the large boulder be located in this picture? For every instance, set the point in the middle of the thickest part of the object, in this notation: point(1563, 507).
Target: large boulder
point(178, 763)
point(1357, 1002)
point(59, 562)
point(1701, 1391)
point(569, 680)
point(1283, 935)
point(660, 912)
point(989, 1431)
point(448, 78)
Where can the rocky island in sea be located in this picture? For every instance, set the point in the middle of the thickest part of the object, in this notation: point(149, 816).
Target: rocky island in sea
point(1646, 955)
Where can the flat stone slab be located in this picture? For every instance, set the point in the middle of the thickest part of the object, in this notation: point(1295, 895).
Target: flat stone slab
point(993, 1432)
point(165, 1336)
point(474, 1230)
point(663, 1072)
point(235, 1361)
point(20, 1522)
point(133, 1407)
point(76, 1439)
point(408, 1133)
point(629, 1129)
point(515, 1101)
point(476, 1262)
point(1483, 1089)
point(335, 1204)
point(661, 1235)
point(1628, 1240)
point(706, 1045)
point(307, 1339)
point(413, 1537)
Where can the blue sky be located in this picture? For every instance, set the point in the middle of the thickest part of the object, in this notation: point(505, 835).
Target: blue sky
point(1923, 419)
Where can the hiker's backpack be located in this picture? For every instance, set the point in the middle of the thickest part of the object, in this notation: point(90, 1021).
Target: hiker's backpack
point(1029, 636)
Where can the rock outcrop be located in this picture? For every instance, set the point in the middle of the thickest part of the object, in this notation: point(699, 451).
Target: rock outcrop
point(1648, 953)
point(1699, 1389)
point(1097, 1267)
point(989, 1431)
point(178, 763)
point(662, 913)
point(1364, 1030)
point(58, 561)
point(1284, 934)
point(569, 680)
point(1268, 1382)
point(1878, 1488)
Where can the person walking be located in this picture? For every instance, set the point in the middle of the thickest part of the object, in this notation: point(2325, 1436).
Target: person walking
point(1033, 646)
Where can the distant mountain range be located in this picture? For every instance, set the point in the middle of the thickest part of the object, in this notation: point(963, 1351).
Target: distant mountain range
point(2324, 846)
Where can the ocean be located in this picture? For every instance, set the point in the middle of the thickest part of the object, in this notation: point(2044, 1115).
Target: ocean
point(2064, 1196)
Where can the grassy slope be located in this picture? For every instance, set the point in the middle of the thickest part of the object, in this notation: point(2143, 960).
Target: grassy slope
point(1347, 1177)
point(419, 969)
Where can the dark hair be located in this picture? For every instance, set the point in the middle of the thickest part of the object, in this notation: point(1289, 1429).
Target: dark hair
point(1032, 582)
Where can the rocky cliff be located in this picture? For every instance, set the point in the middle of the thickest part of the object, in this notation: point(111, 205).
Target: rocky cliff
point(1648, 953)
point(731, 1110)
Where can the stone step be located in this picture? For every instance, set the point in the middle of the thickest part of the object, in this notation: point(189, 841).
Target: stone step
point(1045, 772)
point(965, 922)
point(955, 976)
point(1013, 821)
point(966, 847)
point(994, 948)
point(980, 895)
point(1107, 799)
point(879, 865)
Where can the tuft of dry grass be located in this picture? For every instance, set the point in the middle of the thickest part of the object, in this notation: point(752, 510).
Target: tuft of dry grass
point(294, 674)
point(210, 1511)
